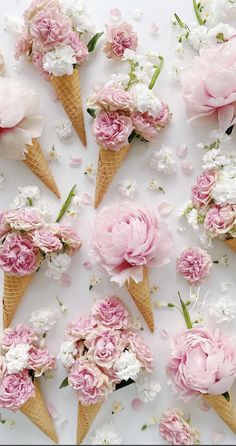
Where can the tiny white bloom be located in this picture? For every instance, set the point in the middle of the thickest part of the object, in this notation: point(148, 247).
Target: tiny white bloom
point(17, 358)
point(57, 264)
point(59, 61)
point(198, 36)
point(13, 24)
point(223, 310)
point(127, 366)
point(43, 320)
point(128, 188)
point(221, 32)
point(63, 128)
point(215, 159)
point(31, 192)
point(225, 189)
point(137, 14)
point(147, 387)
point(192, 219)
point(163, 161)
point(153, 184)
point(105, 435)
point(67, 353)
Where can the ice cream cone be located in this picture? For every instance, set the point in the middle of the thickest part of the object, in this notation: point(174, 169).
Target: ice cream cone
point(140, 293)
point(68, 91)
point(38, 164)
point(223, 408)
point(14, 289)
point(36, 410)
point(231, 242)
point(86, 415)
point(108, 165)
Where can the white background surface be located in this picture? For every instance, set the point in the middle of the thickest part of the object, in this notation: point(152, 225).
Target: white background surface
point(77, 297)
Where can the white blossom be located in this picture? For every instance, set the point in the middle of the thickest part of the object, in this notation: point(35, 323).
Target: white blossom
point(145, 100)
point(13, 24)
point(118, 80)
point(105, 435)
point(215, 159)
point(192, 219)
point(225, 189)
point(137, 14)
point(43, 320)
point(67, 353)
point(57, 264)
point(127, 366)
point(163, 161)
point(63, 128)
point(17, 358)
point(198, 36)
point(177, 68)
point(221, 32)
point(128, 188)
point(223, 309)
point(59, 61)
point(147, 387)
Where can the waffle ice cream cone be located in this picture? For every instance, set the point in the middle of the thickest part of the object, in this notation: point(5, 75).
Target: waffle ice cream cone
point(38, 164)
point(231, 242)
point(36, 410)
point(108, 165)
point(86, 415)
point(14, 289)
point(68, 91)
point(140, 293)
point(223, 408)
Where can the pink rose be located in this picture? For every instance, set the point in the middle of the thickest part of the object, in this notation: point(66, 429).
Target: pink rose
point(175, 429)
point(209, 85)
point(38, 6)
point(194, 264)
point(145, 125)
point(18, 335)
point(141, 350)
point(40, 361)
point(91, 385)
point(79, 47)
point(126, 238)
point(15, 390)
point(201, 361)
point(25, 219)
point(46, 240)
point(112, 99)
point(112, 130)
point(18, 255)
point(49, 29)
point(23, 46)
point(119, 37)
point(220, 219)
point(80, 328)
point(68, 235)
point(104, 347)
point(111, 313)
point(201, 192)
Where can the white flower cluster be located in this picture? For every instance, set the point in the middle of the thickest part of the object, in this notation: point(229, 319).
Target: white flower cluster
point(17, 358)
point(225, 189)
point(127, 366)
point(143, 67)
point(223, 309)
point(67, 353)
point(30, 196)
point(77, 11)
point(147, 387)
point(163, 161)
point(105, 435)
point(43, 320)
point(57, 264)
point(128, 188)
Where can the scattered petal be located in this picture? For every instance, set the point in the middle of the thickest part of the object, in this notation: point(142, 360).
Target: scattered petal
point(136, 404)
point(63, 128)
point(187, 168)
point(90, 171)
point(87, 199)
point(52, 411)
point(128, 188)
point(94, 281)
point(165, 209)
point(65, 280)
point(137, 14)
point(164, 333)
point(182, 151)
point(217, 437)
point(115, 14)
point(87, 264)
point(75, 161)
point(154, 28)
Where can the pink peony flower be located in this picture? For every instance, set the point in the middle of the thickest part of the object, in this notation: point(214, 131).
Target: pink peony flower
point(79, 47)
point(92, 386)
point(112, 130)
point(194, 264)
point(18, 335)
point(18, 255)
point(68, 235)
point(40, 361)
point(39, 6)
point(175, 429)
point(126, 238)
point(201, 192)
point(111, 313)
point(15, 390)
point(112, 99)
point(220, 219)
point(209, 85)
point(141, 350)
point(23, 46)
point(201, 361)
point(46, 240)
point(25, 219)
point(145, 125)
point(119, 37)
point(104, 347)
point(80, 328)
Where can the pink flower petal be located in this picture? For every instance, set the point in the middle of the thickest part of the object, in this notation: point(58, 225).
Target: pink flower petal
point(164, 333)
point(87, 264)
point(154, 28)
point(136, 404)
point(115, 14)
point(75, 161)
point(52, 411)
point(165, 209)
point(217, 437)
point(181, 151)
point(187, 168)
point(87, 199)
point(65, 280)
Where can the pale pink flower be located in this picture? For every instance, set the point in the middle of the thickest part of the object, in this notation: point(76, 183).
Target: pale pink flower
point(18, 335)
point(164, 116)
point(112, 98)
point(38, 6)
point(104, 347)
point(79, 47)
point(37, 60)
point(112, 130)
point(40, 360)
point(80, 328)
point(201, 191)
point(220, 219)
point(175, 429)
point(145, 125)
point(3, 227)
point(23, 46)
point(68, 235)
point(26, 219)
point(201, 361)
point(141, 350)
point(18, 256)
point(111, 313)
point(15, 390)
point(118, 38)
point(194, 264)
point(45, 240)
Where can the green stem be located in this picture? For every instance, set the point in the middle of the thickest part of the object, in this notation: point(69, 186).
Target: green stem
point(185, 313)
point(179, 21)
point(197, 13)
point(156, 73)
point(66, 204)
point(30, 201)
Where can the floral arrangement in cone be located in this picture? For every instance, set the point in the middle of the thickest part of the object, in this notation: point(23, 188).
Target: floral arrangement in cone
point(27, 239)
point(54, 39)
point(20, 126)
point(102, 352)
point(127, 240)
point(124, 108)
point(202, 362)
point(22, 361)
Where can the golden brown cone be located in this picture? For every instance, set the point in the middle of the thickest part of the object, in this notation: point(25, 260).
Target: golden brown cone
point(231, 242)
point(36, 410)
point(223, 408)
point(68, 91)
point(14, 288)
point(86, 415)
point(38, 164)
point(108, 165)
point(140, 293)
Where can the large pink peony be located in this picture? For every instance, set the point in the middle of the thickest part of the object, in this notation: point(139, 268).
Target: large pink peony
point(45, 240)
point(194, 264)
point(15, 390)
point(112, 98)
point(111, 313)
point(18, 335)
point(201, 191)
point(18, 256)
point(104, 347)
point(112, 129)
point(201, 361)
point(40, 360)
point(209, 85)
point(126, 238)
point(220, 219)
point(25, 219)
point(119, 37)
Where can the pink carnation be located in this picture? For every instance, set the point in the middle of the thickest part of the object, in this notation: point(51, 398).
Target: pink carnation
point(40, 360)
point(119, 37)
point(39, 6)
point(164, 116)
point(68, 235)
point(37, 60)
point(104, 347)
point(80, 328)
point(201, 361)
point(201, 192)
point(18, 255)
point(111, 313)
point(141, 350)
point(220, 219)
point(46, 240)
point(194, 264)
point(79, 47)
point(18, 335)
point(126, 238)
point(15, 390)
point(23, 46)
point(112, 99)
point(145, 125)
point(112, 130)
point(25, 219)
point(175, 429)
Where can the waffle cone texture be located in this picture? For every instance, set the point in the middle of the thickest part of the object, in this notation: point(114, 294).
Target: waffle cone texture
point(231, 242)
point(108, 165)
point(14, 288)
point(86, 415)
point(67, 88)
point(140, 293)
point(38, 164)
point(223, 408)
point(36, 410)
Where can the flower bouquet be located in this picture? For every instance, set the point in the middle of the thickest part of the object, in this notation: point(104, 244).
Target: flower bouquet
point(53, 40)
point(124, 108)
point(102, 352)
point(20, 126)
point(26, 240)
point(127, 240)
point(22, 362)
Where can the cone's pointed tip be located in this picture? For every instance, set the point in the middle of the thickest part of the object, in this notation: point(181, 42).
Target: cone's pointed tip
point(58, 195)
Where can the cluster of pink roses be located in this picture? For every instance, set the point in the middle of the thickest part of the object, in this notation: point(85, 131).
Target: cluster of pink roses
point(26, 239)
point(21, 360)
point(101, 350)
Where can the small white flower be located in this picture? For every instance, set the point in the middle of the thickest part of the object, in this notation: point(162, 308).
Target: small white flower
point(198, 36)
point(43, 320)
point(31, 192)
point(17, 358)
point(225, 189)
point(67, 353)
point(153, 184)
point(90, 171)
point(57, 265)
point(105, 435)
point(223, 310)
point(215, 159)
point(13, 24)
point(177, 68)
point(59, 61)
point(127, 366)
point(163, 161)
point(128, 188)
point(137, 14)
point(192, 219)
point(63, 128)
point(221, 32)
point(145, 100)
point(147, 387)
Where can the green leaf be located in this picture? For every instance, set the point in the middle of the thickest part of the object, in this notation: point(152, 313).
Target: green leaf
point(156, 73)
point(64, 383)
point(185, 313)
point(66, 204)
point(197, 13)
point(226, 395)
point(92, 112)
point(92, 43)
point(179, 21)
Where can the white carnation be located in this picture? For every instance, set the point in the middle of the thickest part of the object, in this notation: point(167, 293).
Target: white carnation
point(77, 11)
point(163, 161)
point(145, 100)
point(67, 353)
point(198, 36)
point(57, 265)
point(192, 219)
point(59, 61)
point(225, 189)
point(147, 387)
point(223, 310)
point(128, 188)
point(215, 159)
point(13, 24)
point(127, 366)
point(17, 358)
point(43, 320)
point(63, 128)
point(105, 435)
point(221, 32)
